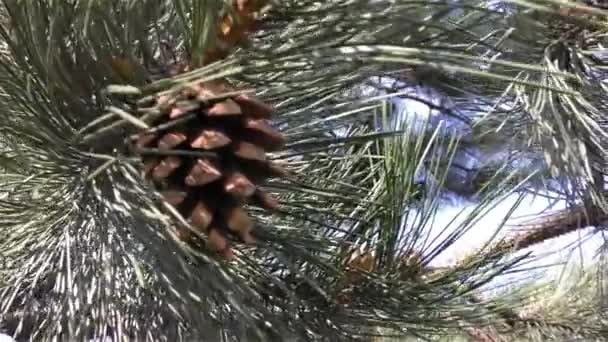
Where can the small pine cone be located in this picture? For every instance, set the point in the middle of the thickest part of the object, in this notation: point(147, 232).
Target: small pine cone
point(207, 157)
point(410, 266)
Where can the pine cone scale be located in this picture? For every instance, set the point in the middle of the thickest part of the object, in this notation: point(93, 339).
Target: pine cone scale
point(263, 200)
point(264, 135)
point(209, 139)
point(145, 139)
point(249, 151)
point(216, 241)
point(255, 108)
point(202, 216)
point(240, 223)
point(174, 197)
point(182, 108)
point(239, 186)
point(202, 173)
point(166, 167)
point(171, 140)
point(225, 108)
point(148, 167)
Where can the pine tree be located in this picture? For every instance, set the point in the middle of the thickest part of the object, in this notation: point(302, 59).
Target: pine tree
point(209, 170)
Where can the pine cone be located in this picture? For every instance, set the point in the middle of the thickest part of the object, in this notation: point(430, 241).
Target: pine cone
point(357, 266)
point(207, 156)
point(234, 27)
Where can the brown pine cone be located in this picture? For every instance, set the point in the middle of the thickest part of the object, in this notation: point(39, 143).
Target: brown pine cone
point(207, 157)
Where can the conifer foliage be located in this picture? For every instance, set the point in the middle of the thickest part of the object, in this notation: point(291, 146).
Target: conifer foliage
point(206, 170)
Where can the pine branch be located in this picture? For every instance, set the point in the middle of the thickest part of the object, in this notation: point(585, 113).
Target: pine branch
point(544, 228)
